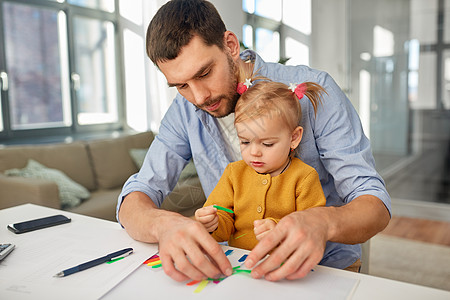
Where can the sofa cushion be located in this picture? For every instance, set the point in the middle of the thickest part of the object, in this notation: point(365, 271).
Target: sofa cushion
point(72, 159)
point(138, 156)
point(111, 160)
point(70, 192)
point(18, 190)
point(102, 204)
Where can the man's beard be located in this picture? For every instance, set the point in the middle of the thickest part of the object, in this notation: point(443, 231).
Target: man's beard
point(229, 99)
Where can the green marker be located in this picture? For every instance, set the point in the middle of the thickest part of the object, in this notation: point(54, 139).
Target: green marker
point(242, 271)
point(223, 208)
point(114, 260)
point(240, 236)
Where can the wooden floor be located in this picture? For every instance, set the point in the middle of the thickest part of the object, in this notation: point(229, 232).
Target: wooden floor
point(435, 232)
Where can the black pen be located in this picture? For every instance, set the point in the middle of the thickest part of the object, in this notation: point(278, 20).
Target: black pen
point(95, 262)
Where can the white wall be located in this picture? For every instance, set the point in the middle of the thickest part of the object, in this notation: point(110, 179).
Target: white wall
point(232, 14)
point(329, 39)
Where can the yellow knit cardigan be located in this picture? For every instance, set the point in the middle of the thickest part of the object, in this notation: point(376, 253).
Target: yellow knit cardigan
point(254, 196)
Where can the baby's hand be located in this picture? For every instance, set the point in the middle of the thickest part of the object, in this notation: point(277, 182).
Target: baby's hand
point(262, 227)
point(208, 217)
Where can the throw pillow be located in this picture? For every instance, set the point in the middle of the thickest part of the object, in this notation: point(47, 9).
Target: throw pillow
point(70, 192)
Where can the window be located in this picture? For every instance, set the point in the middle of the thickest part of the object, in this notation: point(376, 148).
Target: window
point(94, 73)
point(107, 5)
point(35, 81)
point(58, 67)
point(268, 44)
point(278, 30)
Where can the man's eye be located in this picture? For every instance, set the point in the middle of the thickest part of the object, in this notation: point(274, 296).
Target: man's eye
point(182, 86)
point(244, 143)
point(268, 145)
point(204, 75)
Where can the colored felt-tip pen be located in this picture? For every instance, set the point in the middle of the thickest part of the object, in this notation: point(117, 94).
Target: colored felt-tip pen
point(223, 208)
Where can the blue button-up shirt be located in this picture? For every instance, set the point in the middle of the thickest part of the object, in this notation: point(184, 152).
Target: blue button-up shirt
point(333, 143)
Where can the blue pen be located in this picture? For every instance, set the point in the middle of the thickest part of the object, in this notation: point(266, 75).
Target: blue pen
point(95, 262)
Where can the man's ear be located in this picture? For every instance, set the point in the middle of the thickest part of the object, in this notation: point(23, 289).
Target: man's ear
point(297, 135)
point(232, 44)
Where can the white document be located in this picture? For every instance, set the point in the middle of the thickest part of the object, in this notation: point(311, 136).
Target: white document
point(155, 284)
point(27, 272)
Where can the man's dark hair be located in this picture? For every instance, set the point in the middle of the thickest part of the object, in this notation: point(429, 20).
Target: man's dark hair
point(176, 23)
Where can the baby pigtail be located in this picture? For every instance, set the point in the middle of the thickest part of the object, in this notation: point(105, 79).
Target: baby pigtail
point(312, 90)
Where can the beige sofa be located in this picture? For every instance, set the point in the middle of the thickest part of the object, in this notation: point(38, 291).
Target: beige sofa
point(101, 166)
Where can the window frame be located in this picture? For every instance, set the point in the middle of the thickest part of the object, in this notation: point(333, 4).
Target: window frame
point(8, 134)
point(256, 21)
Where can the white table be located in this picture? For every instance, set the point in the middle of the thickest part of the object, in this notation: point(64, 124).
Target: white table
point(368, 287)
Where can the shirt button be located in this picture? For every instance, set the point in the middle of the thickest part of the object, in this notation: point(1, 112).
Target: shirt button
point(259, 209)
point(264, 181)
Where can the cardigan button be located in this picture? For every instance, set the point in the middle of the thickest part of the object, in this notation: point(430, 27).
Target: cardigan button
point(264, 181)
point(259, 209)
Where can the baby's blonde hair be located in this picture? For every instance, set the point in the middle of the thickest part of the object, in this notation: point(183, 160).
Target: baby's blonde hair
point(275, 99)
point(268, 98)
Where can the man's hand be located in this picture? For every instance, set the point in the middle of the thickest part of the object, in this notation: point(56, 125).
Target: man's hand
point(300, 237)
point(186, 249)
point(208, 217)
point(263, 227)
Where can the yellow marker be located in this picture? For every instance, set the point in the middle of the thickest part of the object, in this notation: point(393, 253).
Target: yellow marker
point(201, 286)
point(154, 263)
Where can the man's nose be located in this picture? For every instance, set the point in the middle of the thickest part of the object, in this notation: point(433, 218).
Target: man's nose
point(200, 93)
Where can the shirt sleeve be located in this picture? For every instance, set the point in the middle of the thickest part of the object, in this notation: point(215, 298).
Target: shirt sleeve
point(168, 154)
point(343, 147)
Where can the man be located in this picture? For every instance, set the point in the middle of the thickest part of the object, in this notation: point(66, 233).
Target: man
point(188, 42)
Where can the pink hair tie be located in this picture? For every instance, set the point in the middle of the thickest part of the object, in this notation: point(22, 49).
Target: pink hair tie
point(299, 90)
point(243, 86)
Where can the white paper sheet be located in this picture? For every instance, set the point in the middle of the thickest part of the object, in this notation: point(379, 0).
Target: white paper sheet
point(27, 273)
point(156, 285)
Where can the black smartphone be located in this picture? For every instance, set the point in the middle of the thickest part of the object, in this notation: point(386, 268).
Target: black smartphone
point(38, 223)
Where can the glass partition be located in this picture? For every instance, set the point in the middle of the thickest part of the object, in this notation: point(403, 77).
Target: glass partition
point(400, 66)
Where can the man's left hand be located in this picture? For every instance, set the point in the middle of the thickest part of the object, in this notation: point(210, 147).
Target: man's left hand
point(301, 238)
